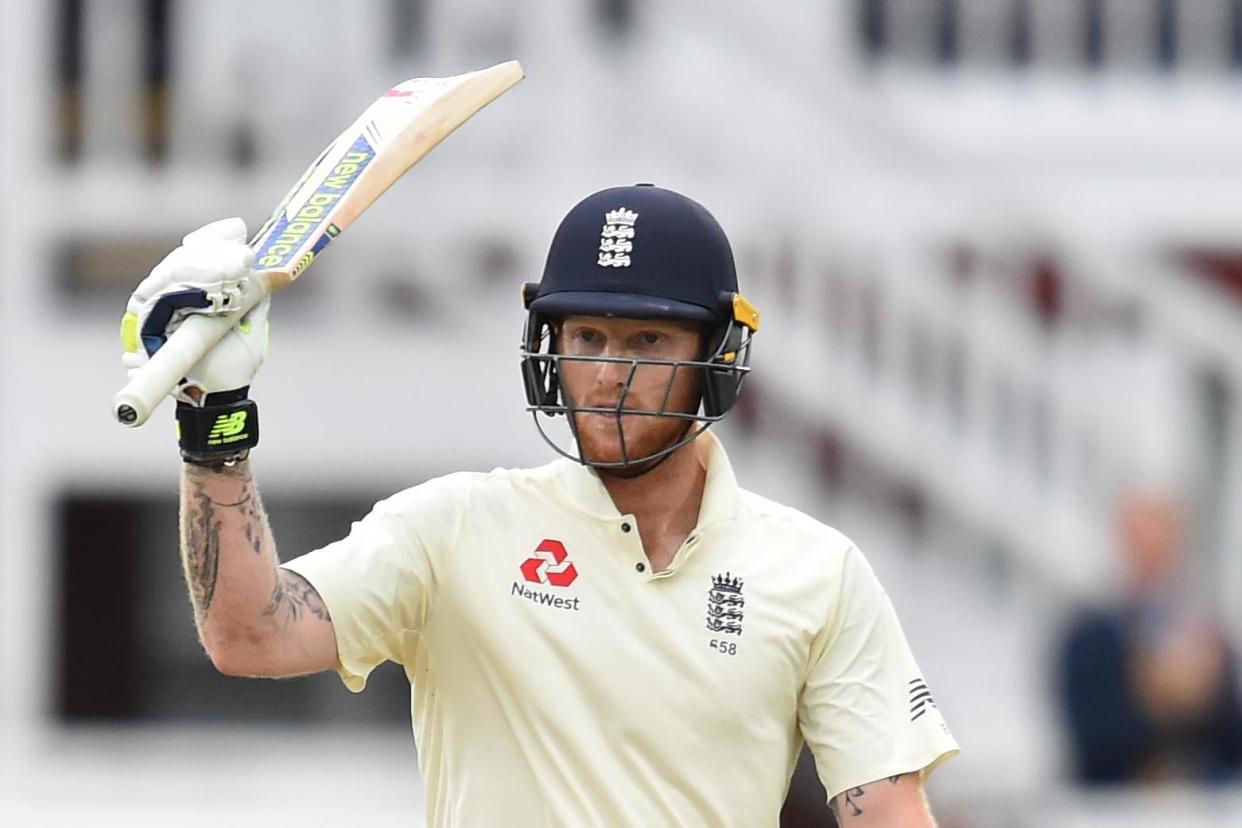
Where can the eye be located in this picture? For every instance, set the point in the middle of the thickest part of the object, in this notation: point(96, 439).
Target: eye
point(587, 335)
point(651, 338)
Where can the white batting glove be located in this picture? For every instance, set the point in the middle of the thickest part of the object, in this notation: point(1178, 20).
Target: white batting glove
point(204, 275)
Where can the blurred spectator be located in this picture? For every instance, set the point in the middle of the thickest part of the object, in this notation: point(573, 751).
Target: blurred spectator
point(1149, 685)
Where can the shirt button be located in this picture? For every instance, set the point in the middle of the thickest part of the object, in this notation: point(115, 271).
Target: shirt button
point(625, 527)
point(640, 566)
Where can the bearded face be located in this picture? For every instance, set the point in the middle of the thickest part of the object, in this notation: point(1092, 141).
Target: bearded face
point(593, 383)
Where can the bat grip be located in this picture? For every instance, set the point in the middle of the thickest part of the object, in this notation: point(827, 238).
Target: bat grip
point(132, 406)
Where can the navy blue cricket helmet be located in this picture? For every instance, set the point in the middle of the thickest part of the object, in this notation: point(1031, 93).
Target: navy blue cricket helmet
point(640, 252)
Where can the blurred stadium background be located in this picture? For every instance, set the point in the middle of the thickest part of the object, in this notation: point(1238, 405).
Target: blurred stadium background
point(997, 243)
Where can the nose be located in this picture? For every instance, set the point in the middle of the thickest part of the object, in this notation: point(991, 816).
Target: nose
point(612, 374)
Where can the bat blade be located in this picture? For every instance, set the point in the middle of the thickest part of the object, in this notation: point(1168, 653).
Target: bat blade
point(388, 138)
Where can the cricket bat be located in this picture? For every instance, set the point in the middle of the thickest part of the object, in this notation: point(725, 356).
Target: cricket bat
point(388, 138)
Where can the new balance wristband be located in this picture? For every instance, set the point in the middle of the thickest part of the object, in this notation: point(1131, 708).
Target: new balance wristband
point(220, 431)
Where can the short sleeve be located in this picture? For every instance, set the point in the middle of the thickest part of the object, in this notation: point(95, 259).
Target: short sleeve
point(378, 582)
point(865, 710)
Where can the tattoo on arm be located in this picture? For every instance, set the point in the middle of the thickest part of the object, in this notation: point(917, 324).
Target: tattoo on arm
point(200, 545)
point(293, 597)
point(848, 799)
point(201, 529)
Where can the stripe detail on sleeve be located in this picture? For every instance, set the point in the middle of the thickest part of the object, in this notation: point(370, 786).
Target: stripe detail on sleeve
point(920, 698)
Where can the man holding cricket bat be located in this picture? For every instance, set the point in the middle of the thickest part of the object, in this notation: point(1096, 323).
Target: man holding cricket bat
point(622, 637)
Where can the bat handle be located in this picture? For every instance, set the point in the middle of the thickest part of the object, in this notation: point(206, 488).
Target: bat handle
point(133, 404)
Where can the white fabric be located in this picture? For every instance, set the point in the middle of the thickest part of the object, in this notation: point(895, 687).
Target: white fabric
point(216, 259)
point(609, 701)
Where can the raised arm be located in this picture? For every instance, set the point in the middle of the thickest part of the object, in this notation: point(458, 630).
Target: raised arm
point(254, 618)
point(897, 801)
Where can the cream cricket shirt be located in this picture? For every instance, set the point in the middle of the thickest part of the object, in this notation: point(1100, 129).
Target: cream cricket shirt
point(557, 680)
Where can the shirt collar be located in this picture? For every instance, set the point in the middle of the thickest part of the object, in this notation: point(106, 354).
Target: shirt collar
point(584, 490)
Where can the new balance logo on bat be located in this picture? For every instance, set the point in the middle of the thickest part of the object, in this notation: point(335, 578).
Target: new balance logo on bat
point(228, 428)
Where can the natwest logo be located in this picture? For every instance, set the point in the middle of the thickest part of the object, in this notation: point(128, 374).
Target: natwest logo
point(549, 565)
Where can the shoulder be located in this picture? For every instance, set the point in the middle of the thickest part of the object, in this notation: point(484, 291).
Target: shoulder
point(817, 565)
point(808, 548)
point(434, 512)
point(461, 488)
point(787, 527)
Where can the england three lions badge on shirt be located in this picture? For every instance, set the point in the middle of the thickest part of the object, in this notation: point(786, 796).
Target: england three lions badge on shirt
point(724, 604)
point(616, 240)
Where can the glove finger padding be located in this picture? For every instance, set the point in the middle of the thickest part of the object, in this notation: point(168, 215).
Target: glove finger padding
point(231, 364)
point(214, 259)
point(205, 275)
point(234, 360)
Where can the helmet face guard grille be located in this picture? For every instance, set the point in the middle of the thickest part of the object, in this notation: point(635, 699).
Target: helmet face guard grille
point(720, 379)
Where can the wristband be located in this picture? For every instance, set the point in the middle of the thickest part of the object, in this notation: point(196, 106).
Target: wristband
point(219, 432)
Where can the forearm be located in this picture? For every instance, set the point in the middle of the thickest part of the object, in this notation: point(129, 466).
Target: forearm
point(241, 600)
point(227, 552)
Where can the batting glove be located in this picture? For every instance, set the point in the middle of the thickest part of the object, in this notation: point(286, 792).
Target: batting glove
point(216, 420)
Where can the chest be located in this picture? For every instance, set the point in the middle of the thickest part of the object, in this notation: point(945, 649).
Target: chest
point(719, 643)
